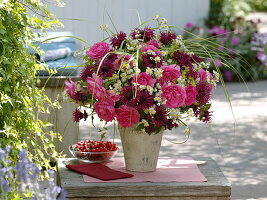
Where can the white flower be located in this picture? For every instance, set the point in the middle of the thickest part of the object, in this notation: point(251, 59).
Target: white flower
point(157, 59)
point(103, 27)
point(158, 73)
point(149, 70)
point(152, 111)
point(158, 99)
point(149, 89)
point(143, 121)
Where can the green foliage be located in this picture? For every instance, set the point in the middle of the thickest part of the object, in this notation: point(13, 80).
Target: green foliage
point(231, 14)
point(20, 99)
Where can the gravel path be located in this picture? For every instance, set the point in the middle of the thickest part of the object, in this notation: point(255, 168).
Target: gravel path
point(238, 145)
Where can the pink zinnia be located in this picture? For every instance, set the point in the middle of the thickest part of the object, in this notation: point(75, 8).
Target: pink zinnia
point(98, 51)
point(174, 94)
point(127, 116)
point(95, 87)
point(70, 87)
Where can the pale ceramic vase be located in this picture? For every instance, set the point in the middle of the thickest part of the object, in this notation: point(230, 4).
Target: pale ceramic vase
point(141, 150)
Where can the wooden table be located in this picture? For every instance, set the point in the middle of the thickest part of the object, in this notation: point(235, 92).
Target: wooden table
point(217, 187)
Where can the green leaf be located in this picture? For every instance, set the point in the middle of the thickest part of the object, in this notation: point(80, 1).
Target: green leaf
point(140, 127)
point(205, 107)
point(265, 48)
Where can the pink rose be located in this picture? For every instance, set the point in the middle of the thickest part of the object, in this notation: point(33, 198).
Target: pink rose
point(170, 73)
point(95, 87)
point(144, 79)
point(105, 110)
point(154, 43)
point(152, 48)
point(115, 97)
point(98, 50)
point(127, 116)
point(174, 94)
point(203, 75)
point(191, 93)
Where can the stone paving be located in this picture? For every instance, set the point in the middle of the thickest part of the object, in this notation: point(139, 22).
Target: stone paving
point(237, 141)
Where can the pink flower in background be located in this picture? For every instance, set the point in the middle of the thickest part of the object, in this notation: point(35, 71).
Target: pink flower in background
point(174, 94)
point(228, 75)
point(153, 43)
point(232, 51)
point(98, 50)
point(105, 110)
point(191, 93)
point(70, 88)
point(189, 25)
point(235, 41)
point(170, 73)
point(127, 116)
point(218, 62)
point(144, 79)
point(261, 56)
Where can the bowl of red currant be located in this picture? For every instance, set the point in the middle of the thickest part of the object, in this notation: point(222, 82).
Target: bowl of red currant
point(93, 151)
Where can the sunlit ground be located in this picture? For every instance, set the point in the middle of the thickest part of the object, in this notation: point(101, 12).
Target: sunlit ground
point(239, 146)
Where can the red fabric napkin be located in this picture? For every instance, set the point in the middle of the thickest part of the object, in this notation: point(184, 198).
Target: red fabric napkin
point(99, 171)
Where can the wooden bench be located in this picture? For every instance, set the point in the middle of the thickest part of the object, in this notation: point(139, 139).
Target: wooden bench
point(217, 187)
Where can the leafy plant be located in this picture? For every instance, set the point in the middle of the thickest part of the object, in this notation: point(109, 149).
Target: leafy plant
point(20, 99)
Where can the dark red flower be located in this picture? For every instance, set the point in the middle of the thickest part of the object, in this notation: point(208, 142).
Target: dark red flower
point(145, 34)
point(87, 72)
point(203, 92)
point(167, 37)
point(107, 67)
point(183, 59)
point(77, 115)
point(150, 129)
point(160, 117)
point(170, 125)
point(145, 100)
point(117, 40)
point(129, 95)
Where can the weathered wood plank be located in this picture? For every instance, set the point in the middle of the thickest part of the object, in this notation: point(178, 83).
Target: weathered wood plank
point(217, 186)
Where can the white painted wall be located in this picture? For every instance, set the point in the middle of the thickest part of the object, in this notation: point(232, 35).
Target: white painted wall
point(90, 14)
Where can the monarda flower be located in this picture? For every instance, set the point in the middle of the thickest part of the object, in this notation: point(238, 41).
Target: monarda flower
point(160, 117)
point(87, 72)
point(107, 67)
point(167, 37)
point(170, 125)
point(183, 59)
point(129, 95)
point(203, 92)
point(145, 100)
point(145, 34)
point(117, 40)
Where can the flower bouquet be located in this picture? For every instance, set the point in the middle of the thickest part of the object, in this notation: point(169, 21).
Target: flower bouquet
point(147, 81)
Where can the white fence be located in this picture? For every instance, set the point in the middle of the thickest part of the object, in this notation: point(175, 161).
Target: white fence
point(90, 14)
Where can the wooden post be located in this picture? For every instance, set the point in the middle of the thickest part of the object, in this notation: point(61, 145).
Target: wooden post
point(60, 118)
